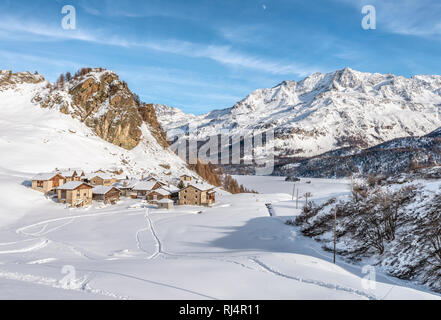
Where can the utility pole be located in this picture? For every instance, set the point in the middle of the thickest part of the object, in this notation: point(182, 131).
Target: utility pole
point(297, 200)
point(293, 190)
point(335, 231)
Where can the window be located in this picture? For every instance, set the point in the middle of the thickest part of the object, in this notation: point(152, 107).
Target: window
point(40, 184)
point(78, 193)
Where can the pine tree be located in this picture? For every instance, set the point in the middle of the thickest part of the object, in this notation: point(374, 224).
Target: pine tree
point(181, 185)
point(60, 81)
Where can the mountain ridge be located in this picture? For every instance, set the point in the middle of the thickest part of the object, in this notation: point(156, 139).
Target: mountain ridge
point(325, 111)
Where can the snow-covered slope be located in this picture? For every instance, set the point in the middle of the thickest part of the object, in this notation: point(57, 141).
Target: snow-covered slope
point(326, 111)
point(391, 223)
point(35, 139)
point(132, 250)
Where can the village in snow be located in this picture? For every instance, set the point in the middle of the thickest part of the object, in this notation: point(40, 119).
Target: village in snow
point(77, 189)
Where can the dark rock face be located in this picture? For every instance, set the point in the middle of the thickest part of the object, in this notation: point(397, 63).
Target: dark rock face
point(108, 106)
point(148, 115)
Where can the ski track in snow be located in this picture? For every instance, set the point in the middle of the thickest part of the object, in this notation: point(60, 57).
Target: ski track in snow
point(54, 283)
point(161, 251)
point(86, 287)
point(259, 263)
point(22, 229)
point(314, 282)
point(15, 242)
point(158, 244)
point(149, 281)
point(38, 246)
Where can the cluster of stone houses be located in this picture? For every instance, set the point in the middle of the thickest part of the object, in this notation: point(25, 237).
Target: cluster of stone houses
point(76, 188)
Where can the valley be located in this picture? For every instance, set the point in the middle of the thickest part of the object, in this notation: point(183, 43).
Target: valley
point(233, 250)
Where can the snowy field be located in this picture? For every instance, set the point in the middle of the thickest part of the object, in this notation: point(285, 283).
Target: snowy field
point(234, 250)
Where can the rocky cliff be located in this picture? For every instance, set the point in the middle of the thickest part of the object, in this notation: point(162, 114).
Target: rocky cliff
point(104, 103)
point(8, 79)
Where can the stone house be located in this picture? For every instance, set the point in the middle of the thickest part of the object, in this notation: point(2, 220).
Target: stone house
point(186, 178)
point(107, 194)
point(71, 175)
point(75, 193)
point(197, 195)
point(47, 182)
point(100, 179)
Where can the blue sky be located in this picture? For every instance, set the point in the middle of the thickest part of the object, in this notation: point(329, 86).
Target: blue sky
point(200, 55)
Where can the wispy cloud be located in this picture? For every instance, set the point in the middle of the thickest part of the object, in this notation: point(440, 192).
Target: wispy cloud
point(18, 28)
point(90, 8)
point(176, 77)
point(13, 56)
point(227, 56)
point(243, 33)
point(220, 53)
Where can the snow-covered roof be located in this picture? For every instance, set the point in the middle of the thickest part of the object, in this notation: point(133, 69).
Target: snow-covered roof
point(67, 173)
point(161, 191)
point(125, 184)
point(103, 176)
point(201, 186)
point(165, 201)
point(102, 189)
point(171, 189)
point(144, 185)
point(72, 185)
point(45, 176)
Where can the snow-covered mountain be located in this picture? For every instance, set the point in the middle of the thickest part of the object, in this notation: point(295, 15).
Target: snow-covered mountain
point(324, 112)
point(90, 121)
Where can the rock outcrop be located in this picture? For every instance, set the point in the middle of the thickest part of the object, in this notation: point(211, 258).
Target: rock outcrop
point(8, 78)
point(148, 115)
point(103, 102)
